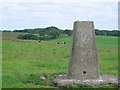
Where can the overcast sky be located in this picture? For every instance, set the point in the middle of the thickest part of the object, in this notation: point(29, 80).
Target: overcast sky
point(17, 14)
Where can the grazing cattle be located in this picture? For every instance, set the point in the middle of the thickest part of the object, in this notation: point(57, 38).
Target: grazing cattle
point(39, 41)
point(60, 42)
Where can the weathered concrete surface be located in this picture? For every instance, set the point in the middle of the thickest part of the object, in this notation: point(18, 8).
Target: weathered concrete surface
point(84, 62)
point(103, 80)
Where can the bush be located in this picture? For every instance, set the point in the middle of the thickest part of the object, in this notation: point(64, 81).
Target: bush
point(28, 37)
point(35, 37)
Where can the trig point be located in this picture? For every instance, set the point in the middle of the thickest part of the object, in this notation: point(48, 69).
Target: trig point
point(83, 66)
point(83, 61)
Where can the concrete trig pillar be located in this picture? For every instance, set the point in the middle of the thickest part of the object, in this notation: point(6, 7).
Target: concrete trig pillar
point(84, 61)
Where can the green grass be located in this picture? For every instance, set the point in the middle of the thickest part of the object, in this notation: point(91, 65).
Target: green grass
point(25, 61)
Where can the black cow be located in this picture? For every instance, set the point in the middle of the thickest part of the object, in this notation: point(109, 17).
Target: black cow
point(39, 41)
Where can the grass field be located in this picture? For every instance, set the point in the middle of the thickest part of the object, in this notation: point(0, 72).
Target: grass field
point(24, 62)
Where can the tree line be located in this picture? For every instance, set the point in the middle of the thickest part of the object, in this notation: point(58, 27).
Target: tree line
point(43, 33)
point(107, 32)
point(53, 32)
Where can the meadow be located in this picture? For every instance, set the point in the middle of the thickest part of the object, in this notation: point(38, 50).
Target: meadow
point(24, 62)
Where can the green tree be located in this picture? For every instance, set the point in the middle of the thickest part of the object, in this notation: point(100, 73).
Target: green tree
point(68, 32)
point(52, 31)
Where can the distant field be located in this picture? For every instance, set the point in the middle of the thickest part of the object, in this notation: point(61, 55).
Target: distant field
point(24, 62)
